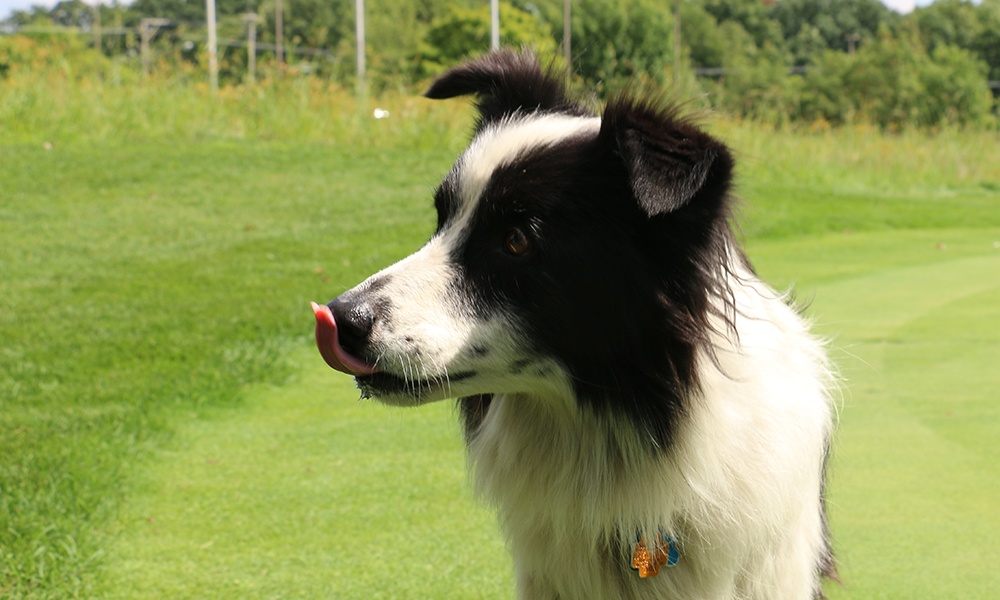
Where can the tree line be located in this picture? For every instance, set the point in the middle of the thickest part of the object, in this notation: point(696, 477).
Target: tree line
point(817, 61)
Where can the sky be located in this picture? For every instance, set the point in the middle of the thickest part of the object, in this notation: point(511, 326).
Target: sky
point(7, 6)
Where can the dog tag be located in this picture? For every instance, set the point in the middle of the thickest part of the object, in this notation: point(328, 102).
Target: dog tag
point(648, 562)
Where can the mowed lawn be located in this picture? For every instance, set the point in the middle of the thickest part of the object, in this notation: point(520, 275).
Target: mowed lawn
point(167, 430)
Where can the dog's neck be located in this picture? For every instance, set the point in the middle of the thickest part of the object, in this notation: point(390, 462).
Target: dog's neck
point(571, 482)
point(563, 454)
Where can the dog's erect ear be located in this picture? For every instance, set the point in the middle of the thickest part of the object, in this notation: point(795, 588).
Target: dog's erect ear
point(669, 161)
point(504, 82)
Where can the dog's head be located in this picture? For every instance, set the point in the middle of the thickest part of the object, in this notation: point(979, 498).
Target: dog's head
point(571, 248)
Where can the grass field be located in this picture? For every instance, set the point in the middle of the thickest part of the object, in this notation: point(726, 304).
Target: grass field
point(166, 429)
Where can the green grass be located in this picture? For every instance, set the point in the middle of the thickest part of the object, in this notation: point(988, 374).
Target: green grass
point(916, 336)
point(143, 282)
point(307, 492)
point(167, 431)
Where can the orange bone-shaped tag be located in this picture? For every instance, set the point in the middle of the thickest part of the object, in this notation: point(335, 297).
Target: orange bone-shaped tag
point(648, 562)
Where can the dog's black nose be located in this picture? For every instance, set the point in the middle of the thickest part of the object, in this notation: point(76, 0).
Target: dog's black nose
point(354, 322)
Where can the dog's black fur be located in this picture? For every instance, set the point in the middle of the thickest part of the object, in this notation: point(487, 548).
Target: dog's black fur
point(651, 191)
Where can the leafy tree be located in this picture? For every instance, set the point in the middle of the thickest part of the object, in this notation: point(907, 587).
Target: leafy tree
point(177, 10)
point(395, 29)
point(926, 69)
point(756, 84)
point(752, 16)
point(615, 42)
point(893, 83)
point(72, 13)
point(987, 47)
point(318, 23)
point(706, 43)
point(964, 24)
point(821, 96)
point(461, 33)
point(953, 22)
point(807, 44)
point(69, 56)
point(813, 25)
point(954, 90)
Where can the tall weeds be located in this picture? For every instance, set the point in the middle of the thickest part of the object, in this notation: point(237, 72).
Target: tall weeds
point(58, 92)
point(51, 99)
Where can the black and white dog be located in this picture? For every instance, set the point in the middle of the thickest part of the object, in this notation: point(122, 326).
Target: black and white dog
point(633, 396)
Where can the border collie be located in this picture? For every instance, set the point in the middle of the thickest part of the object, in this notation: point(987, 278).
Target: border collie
point(649, 419)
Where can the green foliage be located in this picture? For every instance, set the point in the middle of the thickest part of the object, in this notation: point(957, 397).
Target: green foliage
point(893, 84)
point(987, 47)
point(811, 26)
point(705, 40)
point(316, 23)
point(964, 24)
point(51, 56)
point(461, 33)
point(951, 22)
point(756, 84)
point(883, 82)
point(752, 16)
point(987, 44)
point(621, 41)
point(72, 13)
point(180, 10)
point(786, 62)
point(953, 88)
point(821, 97)
point(395, 30)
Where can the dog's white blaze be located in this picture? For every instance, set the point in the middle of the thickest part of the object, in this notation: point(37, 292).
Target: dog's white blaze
point(423, 311)
point(499, 144)
point(431, 334)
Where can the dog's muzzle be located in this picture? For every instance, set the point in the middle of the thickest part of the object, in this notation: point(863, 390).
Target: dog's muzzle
point(341, 338)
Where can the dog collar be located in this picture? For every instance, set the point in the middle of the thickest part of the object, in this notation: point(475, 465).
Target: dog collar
point(648, 562)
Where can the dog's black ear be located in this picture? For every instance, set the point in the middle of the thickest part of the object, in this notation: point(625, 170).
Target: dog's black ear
point(504, 82)
point(668, 160)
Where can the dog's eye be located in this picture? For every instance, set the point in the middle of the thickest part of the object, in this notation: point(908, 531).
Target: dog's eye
point(516, 243)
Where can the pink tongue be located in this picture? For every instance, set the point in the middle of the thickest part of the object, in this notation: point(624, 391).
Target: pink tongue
point(330, 348)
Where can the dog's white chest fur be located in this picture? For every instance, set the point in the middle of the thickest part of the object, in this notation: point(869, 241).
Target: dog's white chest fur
point(574, 490)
